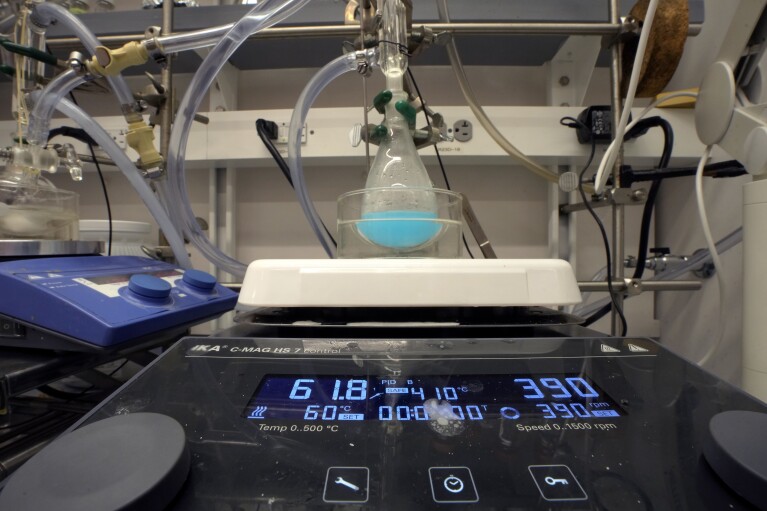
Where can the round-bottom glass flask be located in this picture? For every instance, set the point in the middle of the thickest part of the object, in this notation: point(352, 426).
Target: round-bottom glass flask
point(391, 231)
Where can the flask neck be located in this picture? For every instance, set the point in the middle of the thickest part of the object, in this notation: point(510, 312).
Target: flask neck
point(397, 162)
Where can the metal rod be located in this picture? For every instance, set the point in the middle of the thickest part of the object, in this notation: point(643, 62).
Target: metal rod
point(622, 196)
point(87, 158)
point(363, 10)
point(618, 209)
point(166, 79)
point(476, 229)
point(521, 28)
point(648, 285)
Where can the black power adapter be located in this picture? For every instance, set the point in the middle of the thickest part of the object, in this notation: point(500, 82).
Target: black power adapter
point(599, 121)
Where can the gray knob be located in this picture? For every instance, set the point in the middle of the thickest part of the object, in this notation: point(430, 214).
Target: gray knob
point(568, 182)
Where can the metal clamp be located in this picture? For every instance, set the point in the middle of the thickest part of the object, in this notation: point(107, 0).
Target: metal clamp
point(364, 66)
point(629, 28)
point(154, 172)
point(616, 196)
point(628, 196)
point(633, 287)
point(663, 260)
point(76, 62)
point(421, 38)
point(152, 46)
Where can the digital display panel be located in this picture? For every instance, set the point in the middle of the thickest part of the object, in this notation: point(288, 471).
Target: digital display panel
point(424, 398)
point(124, 278)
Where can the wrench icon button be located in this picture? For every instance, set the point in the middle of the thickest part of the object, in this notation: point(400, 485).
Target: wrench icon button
point(347, 485)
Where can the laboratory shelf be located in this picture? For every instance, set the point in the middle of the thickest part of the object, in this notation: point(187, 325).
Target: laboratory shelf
point(316, 50)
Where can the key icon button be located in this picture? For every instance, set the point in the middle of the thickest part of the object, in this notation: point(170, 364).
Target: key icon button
point(556, 483)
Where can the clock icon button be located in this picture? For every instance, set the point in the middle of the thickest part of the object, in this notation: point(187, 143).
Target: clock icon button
point(453, 484)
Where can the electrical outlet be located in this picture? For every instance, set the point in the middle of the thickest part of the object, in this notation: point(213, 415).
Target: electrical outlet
point(462, 130)
point(282, 133)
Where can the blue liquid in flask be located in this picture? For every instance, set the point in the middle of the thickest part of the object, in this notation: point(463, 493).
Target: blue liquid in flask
point(399, 229)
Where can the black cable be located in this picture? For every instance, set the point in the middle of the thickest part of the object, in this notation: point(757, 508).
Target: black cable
point(60, 394)
point(103, 185)
point(263, 134)
point(84, 137)
point(24, 422)
point(436, 150)
point(403, 49)
point(78, 395)
point(644, 232)
point(68, 131)
point(598, 315)
point(602, 230)
point(725, 169)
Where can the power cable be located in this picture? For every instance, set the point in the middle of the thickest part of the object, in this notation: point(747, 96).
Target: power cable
point(76, 396)
point(668, 148)
point(619, 310)
point(724, 169)
point(103, 186)
point(436, 149)
point(263, 134)
point(613, 151)
point(714, 255)
point(24, 422)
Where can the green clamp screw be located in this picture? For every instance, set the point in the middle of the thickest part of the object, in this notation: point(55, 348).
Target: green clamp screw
point(407, 110)
point(381, 99)
point(379, 134)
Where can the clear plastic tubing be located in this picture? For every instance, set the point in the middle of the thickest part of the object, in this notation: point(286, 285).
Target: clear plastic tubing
point(263, 15)
point(701, 257)
point(163, 195)
point(133, 175)
point(484, 120)
point(327, 74)
point(46, 103)
point(47, 12)
point(36, 39)
point(598, 277)
point(176, 43)
point(704, 256)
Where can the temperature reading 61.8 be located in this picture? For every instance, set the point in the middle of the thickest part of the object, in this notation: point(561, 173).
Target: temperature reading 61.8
point(353, 390)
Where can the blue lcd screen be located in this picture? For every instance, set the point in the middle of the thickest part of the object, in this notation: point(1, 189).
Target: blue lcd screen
point(424, 398)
